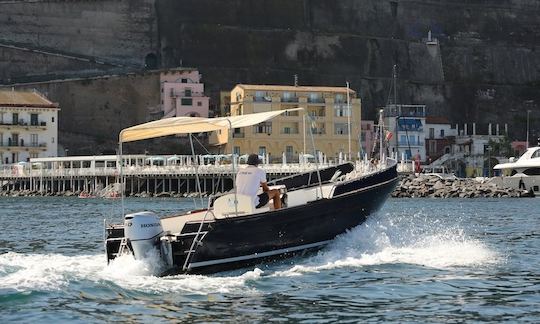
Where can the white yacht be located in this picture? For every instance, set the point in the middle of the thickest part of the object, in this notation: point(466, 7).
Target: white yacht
point(522, 174)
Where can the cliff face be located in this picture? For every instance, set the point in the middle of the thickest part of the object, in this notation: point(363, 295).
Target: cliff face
point(484, 67)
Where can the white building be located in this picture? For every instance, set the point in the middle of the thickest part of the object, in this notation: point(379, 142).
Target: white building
point(406, 122)
point(28, 126)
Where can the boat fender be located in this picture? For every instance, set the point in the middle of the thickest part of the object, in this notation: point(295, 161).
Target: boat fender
point(143, 230)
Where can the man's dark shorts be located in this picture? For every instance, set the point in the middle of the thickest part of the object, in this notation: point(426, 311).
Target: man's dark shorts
point(263, 199)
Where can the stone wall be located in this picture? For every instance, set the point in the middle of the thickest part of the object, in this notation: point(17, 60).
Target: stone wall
point(485, 69)
point(121, 31)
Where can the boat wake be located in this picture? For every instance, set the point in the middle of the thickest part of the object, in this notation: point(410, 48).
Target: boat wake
point(385, 239)
point(399, 239)
point(25, 273)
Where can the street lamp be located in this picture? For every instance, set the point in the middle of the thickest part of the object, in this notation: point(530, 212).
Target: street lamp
point(489, 160)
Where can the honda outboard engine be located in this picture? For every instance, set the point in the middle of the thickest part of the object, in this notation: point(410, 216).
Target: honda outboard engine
point(143, 231)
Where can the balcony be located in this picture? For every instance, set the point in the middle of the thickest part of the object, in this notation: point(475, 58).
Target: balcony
point(24, 125)
point(22, 145)
point(238, 135)
point(316, 101)
point(410, 143)
point(262, 99)
point(289, 99)
point(289, 131)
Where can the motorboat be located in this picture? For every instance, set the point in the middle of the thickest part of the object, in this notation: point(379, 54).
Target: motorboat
point(523, 174)
point(230, 232)
point(438, 171)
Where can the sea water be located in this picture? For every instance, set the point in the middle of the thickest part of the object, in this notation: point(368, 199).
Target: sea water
point(417, 260)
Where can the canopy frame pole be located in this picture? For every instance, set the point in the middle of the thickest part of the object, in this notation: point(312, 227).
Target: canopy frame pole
point(120, 166)
point(231, 137)
point(196, 170)
point(312, 120)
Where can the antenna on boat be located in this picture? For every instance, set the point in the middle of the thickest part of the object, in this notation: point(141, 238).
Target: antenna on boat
point(349, 120)
point(381, 134)
point(317, 160)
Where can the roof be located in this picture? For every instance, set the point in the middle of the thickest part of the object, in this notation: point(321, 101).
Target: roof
point(437, 120)
point(11, 98)
point(263, 87)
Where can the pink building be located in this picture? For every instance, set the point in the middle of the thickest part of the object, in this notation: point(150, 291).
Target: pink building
point(182, 94)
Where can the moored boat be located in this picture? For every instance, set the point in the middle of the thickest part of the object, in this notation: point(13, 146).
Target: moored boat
point(524, 173)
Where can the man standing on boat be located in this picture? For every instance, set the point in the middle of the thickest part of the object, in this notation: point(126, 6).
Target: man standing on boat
point(250, 178)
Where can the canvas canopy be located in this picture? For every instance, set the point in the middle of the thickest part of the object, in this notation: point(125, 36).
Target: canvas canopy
point(186, 125)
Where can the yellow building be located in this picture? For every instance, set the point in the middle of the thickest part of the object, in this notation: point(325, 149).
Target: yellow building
point(325, 110)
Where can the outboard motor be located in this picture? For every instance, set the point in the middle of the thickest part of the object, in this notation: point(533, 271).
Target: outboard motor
point(143, 230)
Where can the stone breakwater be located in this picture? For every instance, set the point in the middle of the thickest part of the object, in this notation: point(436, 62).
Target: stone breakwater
point(413, 186)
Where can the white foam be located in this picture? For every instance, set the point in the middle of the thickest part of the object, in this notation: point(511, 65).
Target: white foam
point(390, 239)
point(52, 272)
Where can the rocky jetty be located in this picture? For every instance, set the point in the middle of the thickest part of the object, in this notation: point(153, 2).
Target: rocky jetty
point(431, 186)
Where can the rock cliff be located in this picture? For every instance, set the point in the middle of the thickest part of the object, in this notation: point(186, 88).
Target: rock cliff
point(482, 63)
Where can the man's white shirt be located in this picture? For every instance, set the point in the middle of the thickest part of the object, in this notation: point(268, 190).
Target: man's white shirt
point(248, 181)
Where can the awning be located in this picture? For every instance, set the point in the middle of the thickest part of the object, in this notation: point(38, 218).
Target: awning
point(409, 124)
point(186, 125)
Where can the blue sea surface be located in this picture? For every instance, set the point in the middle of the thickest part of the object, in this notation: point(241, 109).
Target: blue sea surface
point(417, 260)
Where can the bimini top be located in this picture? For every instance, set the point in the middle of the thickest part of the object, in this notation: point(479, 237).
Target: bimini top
point(186, 125)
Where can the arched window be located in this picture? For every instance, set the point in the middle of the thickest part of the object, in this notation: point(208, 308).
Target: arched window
point(151, 61)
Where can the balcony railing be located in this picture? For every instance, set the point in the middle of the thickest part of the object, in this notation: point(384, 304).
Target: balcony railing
point(289, 99)
point(22, 144)
point(315, 100)
point(411, 143)
point(239, 135)
point(292, 132)
point(25, 124)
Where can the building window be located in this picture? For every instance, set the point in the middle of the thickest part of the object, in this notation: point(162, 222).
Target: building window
point(262, 128)
point(340, 98)
point(1, 139)
point(183, 80)
point(431, 132)
point(262, 150)
point(341, 111)
point(442, 133)
point(199, 104)
point(286, 130)
point(52, 139)
point(52, 119)
point(289, 97)
point(432, 147)
point(188, 92)
point(34, 140)
point(34, 119)
point(315, 97)
point(186, 102)
point(289, 151)
point(341, 129)
point(34, 155)
point(15, 119)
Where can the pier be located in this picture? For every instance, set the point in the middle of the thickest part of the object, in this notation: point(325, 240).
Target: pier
point(143, 174)
point(182, 174)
